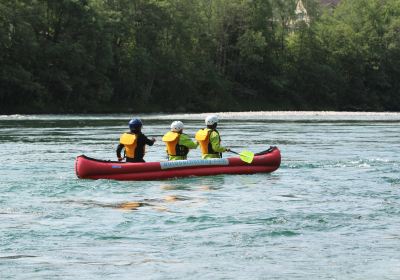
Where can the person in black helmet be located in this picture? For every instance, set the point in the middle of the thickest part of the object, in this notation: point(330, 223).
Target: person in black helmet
point(134, 142)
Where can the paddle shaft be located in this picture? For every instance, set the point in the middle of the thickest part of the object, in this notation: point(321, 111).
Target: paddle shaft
point(239, 153)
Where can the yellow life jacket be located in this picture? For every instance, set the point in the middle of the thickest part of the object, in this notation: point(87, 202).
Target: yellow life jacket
point(203, 137)
point(171, 139)
point(130, 143)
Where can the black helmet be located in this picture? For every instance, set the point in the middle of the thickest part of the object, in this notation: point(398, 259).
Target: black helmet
point(135, 124)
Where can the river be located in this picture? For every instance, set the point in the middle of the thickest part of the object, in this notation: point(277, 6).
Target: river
point(331, 211)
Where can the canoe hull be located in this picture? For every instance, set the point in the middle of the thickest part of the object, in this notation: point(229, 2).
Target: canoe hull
point(88, 168)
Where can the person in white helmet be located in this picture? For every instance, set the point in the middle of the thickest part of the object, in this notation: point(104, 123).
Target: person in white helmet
point(178, 143)
point(210, 140)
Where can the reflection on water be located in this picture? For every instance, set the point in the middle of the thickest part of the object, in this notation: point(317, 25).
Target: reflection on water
point(158, 204)
point(194, 183)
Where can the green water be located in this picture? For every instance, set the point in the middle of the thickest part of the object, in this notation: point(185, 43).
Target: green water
point(331, 211)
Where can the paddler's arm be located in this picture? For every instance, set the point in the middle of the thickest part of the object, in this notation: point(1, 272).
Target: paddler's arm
point(184, 140)
point(215, 143)
point(119, 149)
point(148, 141)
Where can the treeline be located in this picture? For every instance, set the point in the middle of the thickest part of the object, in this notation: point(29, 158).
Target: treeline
point(77, 56)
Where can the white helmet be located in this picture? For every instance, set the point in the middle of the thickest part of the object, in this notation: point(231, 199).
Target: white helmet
point(210, 120)
point(176, 126)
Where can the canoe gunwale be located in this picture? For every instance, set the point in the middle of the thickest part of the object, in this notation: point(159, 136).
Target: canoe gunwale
point(270, 150)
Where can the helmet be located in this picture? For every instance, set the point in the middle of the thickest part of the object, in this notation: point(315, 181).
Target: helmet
point(176, 126)
point(210, 120)
point(135, 124)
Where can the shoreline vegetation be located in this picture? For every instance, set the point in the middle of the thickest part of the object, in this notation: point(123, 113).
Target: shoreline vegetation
point(148, 56)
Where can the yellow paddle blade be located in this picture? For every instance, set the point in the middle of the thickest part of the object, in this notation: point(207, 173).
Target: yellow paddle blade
point(247, 156)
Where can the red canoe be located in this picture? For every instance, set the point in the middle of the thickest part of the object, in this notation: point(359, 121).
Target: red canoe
point(89, 168)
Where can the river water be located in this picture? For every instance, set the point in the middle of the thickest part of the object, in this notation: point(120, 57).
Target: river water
point(331, 211)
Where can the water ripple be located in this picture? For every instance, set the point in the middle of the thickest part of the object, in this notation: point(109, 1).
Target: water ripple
point(331, 211)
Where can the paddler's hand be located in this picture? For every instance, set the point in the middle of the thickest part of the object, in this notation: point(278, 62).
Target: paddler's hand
point(153, 139)
point(227, 150)
point(120, 159)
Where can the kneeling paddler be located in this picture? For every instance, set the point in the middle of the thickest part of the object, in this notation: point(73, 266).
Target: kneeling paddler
point(178, 143)
point(134, 142)
point(210, 140)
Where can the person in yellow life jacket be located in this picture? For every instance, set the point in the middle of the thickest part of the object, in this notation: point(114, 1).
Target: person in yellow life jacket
point(178, 143)
point(134, 142)
point(210, 140)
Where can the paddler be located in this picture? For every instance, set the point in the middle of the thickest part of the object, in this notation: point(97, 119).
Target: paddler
point(210, 140)
point(178, 143)
point(134, 142)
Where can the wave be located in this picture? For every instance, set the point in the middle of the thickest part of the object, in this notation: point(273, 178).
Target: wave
point(359, 163)
point(13, 257)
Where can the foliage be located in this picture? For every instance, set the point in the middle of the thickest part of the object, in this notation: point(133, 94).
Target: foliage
point(67, 56)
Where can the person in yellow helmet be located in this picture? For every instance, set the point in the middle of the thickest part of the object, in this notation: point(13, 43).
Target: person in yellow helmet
point(178, 143)
point(134, 142)
point(210, 140)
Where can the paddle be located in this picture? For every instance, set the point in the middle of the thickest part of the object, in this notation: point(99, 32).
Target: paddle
point(246, 156)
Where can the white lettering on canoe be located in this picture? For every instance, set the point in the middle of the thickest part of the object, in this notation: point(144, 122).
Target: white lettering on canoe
point(193, 162)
